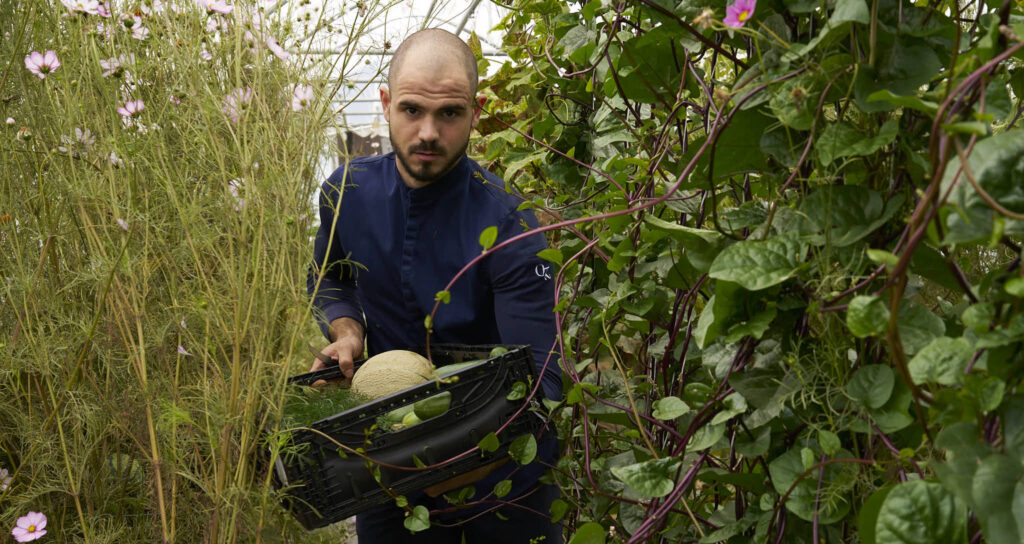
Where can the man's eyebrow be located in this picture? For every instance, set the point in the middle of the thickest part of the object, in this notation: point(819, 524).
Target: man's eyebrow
point(408, 104)
point(456, 106)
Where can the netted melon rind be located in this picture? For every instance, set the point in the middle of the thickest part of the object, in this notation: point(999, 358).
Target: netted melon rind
point(390, 372)
point(381, 382)
point(400, 358)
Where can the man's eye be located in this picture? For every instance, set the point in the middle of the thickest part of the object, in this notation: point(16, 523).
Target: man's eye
point(450, 114)
point(411, 111)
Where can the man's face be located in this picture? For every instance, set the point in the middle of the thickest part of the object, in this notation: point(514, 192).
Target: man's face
point(430, 112)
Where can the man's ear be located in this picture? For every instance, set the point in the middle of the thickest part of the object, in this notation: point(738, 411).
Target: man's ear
point(477, 108)
point(385, 102)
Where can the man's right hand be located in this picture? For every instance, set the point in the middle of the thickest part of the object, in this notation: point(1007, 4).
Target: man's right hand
point(347, 346)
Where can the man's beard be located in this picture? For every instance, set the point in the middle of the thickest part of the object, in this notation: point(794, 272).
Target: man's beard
point(429, 173)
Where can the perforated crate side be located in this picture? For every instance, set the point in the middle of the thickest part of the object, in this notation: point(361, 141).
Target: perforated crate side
point(333, 488)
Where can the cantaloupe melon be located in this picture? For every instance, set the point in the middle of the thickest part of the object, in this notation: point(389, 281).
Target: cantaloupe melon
point(390, 372)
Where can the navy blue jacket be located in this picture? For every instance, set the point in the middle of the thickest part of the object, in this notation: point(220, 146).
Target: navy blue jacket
point(393, 248)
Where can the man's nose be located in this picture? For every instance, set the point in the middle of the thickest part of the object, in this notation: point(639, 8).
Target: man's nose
point(428, 130)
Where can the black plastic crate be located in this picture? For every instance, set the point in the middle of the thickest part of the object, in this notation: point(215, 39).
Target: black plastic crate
point(323, 487)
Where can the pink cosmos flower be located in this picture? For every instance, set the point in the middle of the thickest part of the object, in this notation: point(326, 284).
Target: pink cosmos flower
point(276, 48)
point(140, 32)
point(80, 144)
point(84, 137)
point(30, 527)
point(258, 32)
point(235, 188)
point(105, 31)
point(302, 96)
point(154, 7)
point(88, 7)
point(131, 108)
point(737, 14)
point(205, 55)
point(122, 223)
point(115, 161)
point(113, 65)
point(214, 24)
point(110, 66)
point(103, 10)
point(183, 351)
point(10, 121)
point(252, 19)
point(40, 64)
point(220, 6)
point(236, 103)
point(174, 100)
point(129, 86)
point(5, 479)
point(130, 21)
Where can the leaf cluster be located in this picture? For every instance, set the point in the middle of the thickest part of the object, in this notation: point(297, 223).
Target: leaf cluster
point(789, 263)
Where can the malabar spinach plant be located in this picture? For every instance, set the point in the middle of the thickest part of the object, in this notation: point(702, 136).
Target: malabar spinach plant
point(787, 241)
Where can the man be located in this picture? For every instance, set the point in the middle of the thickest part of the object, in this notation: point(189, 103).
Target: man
point(395, 229)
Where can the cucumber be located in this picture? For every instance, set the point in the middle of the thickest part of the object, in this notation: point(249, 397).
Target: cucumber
point(396, 415)
point(448, 370)
point(432, 406)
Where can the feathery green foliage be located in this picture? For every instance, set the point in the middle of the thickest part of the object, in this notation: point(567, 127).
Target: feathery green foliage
point(153, 266)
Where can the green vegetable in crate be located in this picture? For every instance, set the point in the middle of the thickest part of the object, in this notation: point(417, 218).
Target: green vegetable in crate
point(304, 405)
point(410, 419)
point(448, 370)
point(390, 372)
point(432, 406)
point(498, 351)
point(396, 415)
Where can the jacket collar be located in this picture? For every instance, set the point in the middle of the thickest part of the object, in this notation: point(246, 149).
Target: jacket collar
point(445, 184)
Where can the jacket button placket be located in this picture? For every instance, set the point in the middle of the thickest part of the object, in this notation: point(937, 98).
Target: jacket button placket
point(414, 220)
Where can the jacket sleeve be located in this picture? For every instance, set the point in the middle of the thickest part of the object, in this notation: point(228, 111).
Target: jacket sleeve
point(524, 297)
point(337, 294)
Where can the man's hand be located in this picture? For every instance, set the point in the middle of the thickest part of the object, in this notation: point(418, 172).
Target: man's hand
point(347, 345)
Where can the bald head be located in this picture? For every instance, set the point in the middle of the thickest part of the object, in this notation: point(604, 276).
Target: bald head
point(435, 49)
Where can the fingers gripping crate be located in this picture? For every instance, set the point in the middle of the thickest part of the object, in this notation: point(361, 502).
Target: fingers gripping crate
point(323, 486)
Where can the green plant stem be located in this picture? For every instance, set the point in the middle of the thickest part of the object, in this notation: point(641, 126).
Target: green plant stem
point(899, 356)
point(72, 480)
point(625, 385)
point(17, 45)
point(151, 429)
point(873, 36)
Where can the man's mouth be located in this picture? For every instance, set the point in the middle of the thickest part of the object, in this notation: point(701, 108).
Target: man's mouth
point(426, 155)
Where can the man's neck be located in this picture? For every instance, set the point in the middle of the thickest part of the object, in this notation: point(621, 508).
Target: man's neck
point(414, 183)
